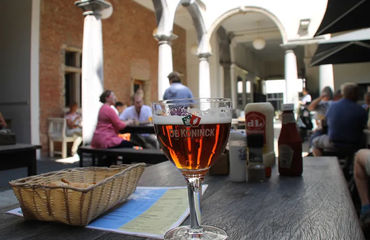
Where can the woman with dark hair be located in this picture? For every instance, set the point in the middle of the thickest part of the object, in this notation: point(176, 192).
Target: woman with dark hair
point(108, 126)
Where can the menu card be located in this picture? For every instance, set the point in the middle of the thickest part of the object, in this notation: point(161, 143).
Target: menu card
point(148, 212)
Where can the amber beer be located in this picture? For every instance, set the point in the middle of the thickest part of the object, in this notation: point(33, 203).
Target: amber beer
point(193, 149)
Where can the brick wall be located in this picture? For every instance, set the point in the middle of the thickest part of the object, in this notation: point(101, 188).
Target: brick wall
point(130, 52)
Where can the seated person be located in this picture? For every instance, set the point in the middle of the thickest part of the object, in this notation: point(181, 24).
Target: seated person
point(73, 118)
point(141, 114)
point(320, 105)
point(118, 107)
point(108, 126)
point(2, 122)
point(345, 122)
point(74, 127)
point(362, 173)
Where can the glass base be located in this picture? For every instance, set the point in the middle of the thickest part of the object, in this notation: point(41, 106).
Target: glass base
point(204, 233)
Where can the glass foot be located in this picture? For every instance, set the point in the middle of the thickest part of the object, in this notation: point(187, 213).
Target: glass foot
point(204, 233)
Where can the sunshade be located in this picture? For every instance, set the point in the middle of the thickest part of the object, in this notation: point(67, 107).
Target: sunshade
point(344, 15)
point(350, 47)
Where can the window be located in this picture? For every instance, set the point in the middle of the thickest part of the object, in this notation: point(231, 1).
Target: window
point(72, 76)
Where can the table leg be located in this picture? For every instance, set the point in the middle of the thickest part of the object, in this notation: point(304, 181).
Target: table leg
point(32, 167)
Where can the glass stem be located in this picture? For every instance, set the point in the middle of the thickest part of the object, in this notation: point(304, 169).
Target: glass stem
point(194, 194)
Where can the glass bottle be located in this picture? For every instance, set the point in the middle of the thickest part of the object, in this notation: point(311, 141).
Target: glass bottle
point(289, 144)
point(255, 166)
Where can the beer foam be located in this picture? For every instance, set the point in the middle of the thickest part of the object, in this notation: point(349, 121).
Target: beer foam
point(177, 120)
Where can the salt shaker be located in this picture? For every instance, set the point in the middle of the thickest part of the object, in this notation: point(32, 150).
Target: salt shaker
point(237, 155)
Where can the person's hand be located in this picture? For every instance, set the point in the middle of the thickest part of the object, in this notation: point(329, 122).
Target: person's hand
point(131, 122)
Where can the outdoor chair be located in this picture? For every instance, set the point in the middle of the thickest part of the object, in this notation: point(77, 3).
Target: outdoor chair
point(57, 133)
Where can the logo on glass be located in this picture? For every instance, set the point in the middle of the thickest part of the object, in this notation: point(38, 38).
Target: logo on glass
point(191, 120)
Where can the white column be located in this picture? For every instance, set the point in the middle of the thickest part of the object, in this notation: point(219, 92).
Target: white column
point(92, 65)
point(204, 76)
point(326, 76)
point(34, 88)
point(244, 90)
point(165, 65)
point(291, 78)
point(250, 78)
point(234, 97)
point(92, 75)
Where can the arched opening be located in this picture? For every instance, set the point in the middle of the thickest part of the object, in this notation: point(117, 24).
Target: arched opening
point(247, 55)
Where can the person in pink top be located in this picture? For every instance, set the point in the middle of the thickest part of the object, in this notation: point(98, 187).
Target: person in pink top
point(108, 126)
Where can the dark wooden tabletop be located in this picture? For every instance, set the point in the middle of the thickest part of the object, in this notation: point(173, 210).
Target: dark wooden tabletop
point(17, 147)
point(314, 206)
point(139, 129)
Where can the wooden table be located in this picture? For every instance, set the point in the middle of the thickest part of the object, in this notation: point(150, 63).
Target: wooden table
point(314, 206)
point(139, 129)
point(19, 155)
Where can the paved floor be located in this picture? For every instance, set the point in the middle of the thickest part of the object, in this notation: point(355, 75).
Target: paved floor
point(45, 164)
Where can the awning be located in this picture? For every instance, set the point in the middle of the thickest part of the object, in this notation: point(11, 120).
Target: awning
point(350, 47)
point(344, 15)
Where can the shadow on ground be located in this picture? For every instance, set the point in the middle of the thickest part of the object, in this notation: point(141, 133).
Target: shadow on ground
point(44, 165)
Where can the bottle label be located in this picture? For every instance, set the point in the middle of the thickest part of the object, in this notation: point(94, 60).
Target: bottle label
point(255, 123)
point(285, 156)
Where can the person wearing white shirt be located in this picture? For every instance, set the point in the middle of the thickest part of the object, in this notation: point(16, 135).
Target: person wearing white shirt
point(141, 114)
point(306, 99)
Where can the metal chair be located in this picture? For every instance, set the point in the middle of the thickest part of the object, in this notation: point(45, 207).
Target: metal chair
point(57, 133)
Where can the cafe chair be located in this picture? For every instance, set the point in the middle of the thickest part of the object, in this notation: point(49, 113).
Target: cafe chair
point(57, 133)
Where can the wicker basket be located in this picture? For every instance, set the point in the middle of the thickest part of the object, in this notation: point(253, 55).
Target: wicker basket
point(78, 195)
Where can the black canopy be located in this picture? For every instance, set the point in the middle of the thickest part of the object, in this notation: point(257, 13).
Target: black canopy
point(343, 52)
point(344, 15)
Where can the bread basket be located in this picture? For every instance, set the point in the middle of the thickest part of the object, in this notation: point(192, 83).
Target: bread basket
point(76, 196)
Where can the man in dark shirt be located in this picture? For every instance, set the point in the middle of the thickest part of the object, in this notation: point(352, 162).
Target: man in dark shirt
point(346, 121)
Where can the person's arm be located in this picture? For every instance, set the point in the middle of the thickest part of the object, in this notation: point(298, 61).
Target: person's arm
point(314, 103)
point(73, 123)
point(117, 123)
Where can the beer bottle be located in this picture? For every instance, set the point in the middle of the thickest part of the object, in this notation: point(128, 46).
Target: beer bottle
point(289, 144)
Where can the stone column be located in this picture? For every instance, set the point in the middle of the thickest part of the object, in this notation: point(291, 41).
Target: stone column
point(326, 76)
point(291, 78)
point(165, 65)
point(250, 78)
point(226, 77)
point(92, 64)
point(234, 96)
point(244, 92)
point(204, 76)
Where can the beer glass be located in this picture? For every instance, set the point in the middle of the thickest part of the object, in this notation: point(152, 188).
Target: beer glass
point(193, 133)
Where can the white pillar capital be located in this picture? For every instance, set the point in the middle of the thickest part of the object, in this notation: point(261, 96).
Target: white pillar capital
point(165, 38)
point(92, 7)
point(204, 56)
